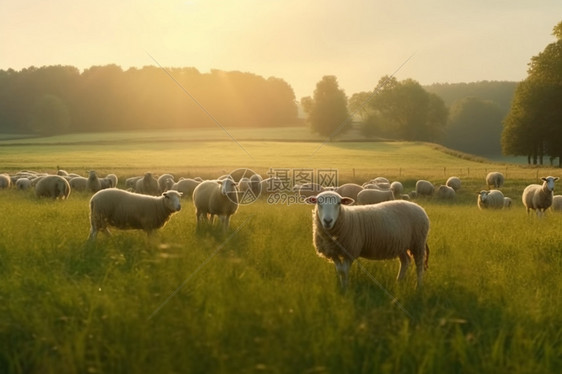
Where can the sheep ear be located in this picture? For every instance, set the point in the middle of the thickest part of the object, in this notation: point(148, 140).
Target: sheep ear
point(543, 178)
point(556, 178)
point(311, 200)
point(347, 201)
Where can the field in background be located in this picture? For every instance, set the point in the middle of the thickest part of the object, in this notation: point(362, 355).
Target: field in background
point(258, 299)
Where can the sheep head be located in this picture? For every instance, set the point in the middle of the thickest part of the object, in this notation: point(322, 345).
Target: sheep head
point(549, 182)
point(328, 206)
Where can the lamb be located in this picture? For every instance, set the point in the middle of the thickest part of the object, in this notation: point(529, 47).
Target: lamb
point(391, 229)
point(215, 197)
point(494, 179)
point(492, 199)
point(445, 192)
point(539, 197)
point(147, 185)
point(5, 181)
point(185, 186)
point(349, 190)
point(93, 184)
point(372, 196)
point(53, 186)
point(424, 188)
point(454, 183)
point(127, 210)
point(557, 203)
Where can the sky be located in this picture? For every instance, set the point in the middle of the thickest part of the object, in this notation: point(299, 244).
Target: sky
point(300, 41)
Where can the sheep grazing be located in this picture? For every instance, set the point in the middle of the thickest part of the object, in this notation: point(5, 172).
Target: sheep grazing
point(556, 203)
point(397, 188)
point(507, 203)
point(492, 199)
point(494, 179)
point(215, 197)
point(349, 190)
point(372, 196)
point(539, 197)
point(185, 186)
point(342, 233)
point(454, 183)
point(78, 184)
point(147, 185)
point(52, 186)
point(93, 183)
point(165, 182)
point(127, 210)
point(424, 188)
point(5, 181)
point(445, 193)
point(23, 183)
point(131, 183)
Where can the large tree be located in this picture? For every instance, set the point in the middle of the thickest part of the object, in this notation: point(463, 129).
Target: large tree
point(404, 110)
point(327, 109)
point(533, 127)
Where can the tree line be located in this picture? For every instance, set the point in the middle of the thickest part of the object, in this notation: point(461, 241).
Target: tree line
point(60, 99)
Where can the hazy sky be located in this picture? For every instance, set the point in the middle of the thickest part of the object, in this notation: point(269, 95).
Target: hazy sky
point(300, 41)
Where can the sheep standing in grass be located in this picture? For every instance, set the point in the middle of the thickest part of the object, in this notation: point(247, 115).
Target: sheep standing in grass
point(78, 184)
point(454, 183)
point(373, 196)
point(215, 197)
point(507, 203)
point(349, 190)
point(147, 185)
point(128, 210)
point(391, 229)
point(494, 179)
point(424, 188)
point(165, 182)
point(53, 186)
point(492, 199)
point(397, 188)
point(445, 193)
point(186, 187)
point(557, 203)
point(23, 183)
point(93, 184)
point(539, 197)
point(5, 181)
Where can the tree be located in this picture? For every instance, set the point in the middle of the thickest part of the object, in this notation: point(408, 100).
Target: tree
point(404, 110)
point(327, 110)
point(533, 126)
point(49, 116)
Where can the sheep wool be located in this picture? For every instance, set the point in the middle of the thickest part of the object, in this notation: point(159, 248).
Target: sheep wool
point(93, 183)
point(215, 197)
point(127, 210)
point(454, 183)
point(5, 181)
point(539, 197)
point(374, 196)
point(52, 186)
point(342, 233)
point(349, 190)
point(494, 179)
point(492, 199)
point(424, 188)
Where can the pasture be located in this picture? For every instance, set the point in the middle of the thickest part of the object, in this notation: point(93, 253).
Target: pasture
point(258, 298)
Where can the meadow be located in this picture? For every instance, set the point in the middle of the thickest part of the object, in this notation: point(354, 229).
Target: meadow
point(258, 299)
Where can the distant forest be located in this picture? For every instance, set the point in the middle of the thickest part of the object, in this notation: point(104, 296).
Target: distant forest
point(61, 99)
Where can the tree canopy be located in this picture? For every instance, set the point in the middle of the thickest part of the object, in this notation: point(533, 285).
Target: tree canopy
point(56, 99)
point(533, 127)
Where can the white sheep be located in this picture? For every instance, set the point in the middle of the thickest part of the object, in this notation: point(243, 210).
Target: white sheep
point(185, 186)
point(397, 188)
point(494, 179)
point(93, 183)
point(349, 190)
point(391, 229)
point(424, 188)
point(113, 178)
point(557, 203)
point(78, 184)
point(454, 183)
point(53, 186)
point(445, 193)
point(215, 197)
point(127, 210)
point(373, 196)
point(507, 203)
point(5, 181)
point(492, 199)
point(539, 197)
point(147, 185)
point(165, 182)
point(131, 183)
point(23, 183)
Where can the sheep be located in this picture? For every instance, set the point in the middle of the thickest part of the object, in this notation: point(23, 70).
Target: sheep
point(349, 190)
point(78, 184)
point(556, 203)
point(147, 185)
point(185, 186)
point(454, 183)
point(93, 184)
point(539, 197)
point(215, 197)
point(445, 192)
point(131, 183)
point(397, 188)
point(61, 172)
point(113, 178)
point(23, 184)
point(391, 229)
point(5, 181)
point(127, 210)
point(424, 188)
point(492, 199)
point(494, 179)
point(507, 202)
point(165, 182)
point(53, 186)
point(372, 196)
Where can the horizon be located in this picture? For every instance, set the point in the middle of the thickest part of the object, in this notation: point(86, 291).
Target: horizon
point(436, 42)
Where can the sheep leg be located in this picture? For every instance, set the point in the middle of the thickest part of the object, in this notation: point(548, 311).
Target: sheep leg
point(342, 268)
point(225, 220)
point(404, 263)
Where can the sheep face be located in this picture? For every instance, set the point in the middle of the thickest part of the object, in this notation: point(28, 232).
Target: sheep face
point(328, 205)
point(483, 195)
point(172, 199)
point(228, 188)
point(549, 181)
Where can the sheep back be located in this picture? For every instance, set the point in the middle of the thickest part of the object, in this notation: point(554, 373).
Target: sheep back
point(373, 196)
point(494, 179)
point(349, 190)
point(424, 188)
point(52, 186)
point(454, 183)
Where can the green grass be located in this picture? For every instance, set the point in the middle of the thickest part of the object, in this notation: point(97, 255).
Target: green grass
point(259, 299)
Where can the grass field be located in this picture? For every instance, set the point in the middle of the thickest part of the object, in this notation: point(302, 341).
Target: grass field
point(258, 299)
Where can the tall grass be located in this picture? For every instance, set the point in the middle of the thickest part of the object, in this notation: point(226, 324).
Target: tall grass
point(258, 299)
